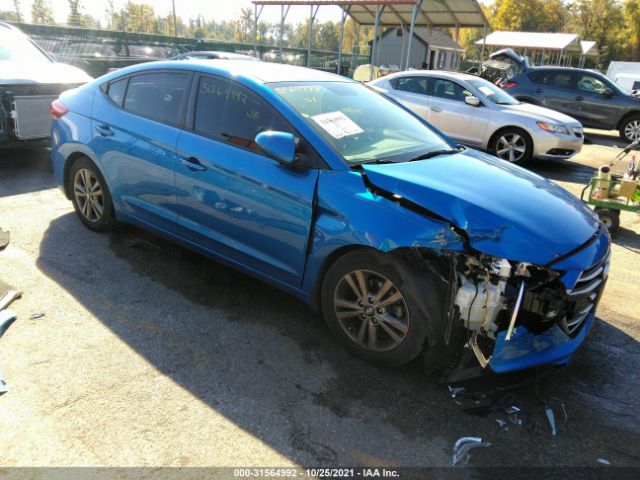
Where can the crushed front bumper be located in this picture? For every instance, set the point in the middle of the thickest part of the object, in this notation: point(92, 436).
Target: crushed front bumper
point(527, 350)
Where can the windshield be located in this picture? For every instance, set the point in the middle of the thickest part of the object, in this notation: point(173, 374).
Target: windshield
point(15, 47)
point(359, 124)
point(493, 93)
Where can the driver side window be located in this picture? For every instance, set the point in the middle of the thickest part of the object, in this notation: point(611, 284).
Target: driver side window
point(590, 84)
point(234, 114)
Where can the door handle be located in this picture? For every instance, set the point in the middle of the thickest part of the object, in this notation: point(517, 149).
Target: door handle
point(104, 130)
point(579, 98)
point(193, 164)
point(539, 90)
point(436, 109)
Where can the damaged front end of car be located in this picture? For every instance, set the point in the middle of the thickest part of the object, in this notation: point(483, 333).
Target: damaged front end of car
point(525, 280)
point(514, 315)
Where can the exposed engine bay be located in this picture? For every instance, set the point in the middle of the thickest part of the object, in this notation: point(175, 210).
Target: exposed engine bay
point(24, 113)
point(496, 295)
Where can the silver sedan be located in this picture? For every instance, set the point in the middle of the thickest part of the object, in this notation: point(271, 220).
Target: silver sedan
point(476, 113)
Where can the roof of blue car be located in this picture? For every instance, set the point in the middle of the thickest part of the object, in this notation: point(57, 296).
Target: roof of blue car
point(262, 72)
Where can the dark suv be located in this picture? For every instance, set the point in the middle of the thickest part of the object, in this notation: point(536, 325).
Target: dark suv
point(586, 95)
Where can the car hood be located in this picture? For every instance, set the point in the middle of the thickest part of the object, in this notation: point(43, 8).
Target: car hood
point(506, 211)
point(14, 73)
point(540, 114)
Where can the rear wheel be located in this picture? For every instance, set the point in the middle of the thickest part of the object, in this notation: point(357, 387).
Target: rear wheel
point(610, 218)
point(512, 145)
point(630, 128)
point(90, 195)
point(369, 302)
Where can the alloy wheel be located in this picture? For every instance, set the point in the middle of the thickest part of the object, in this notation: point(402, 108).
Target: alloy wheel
point(371, 310)
point(511, 147)
point(632, 130)
point(88, 194)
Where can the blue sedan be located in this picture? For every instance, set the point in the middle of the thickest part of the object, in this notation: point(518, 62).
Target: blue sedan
point(407, 243)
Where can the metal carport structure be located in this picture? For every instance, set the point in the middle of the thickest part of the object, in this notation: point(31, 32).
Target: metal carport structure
point(562, 46)
point(385, 13)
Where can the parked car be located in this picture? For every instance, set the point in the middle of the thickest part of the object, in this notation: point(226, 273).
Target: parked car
point(477, 113)
point(213, 55)
point(595, 100)
point(406, 242)
point(29, 80)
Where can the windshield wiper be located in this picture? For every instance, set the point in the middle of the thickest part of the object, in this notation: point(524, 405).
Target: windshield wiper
point(436, 153)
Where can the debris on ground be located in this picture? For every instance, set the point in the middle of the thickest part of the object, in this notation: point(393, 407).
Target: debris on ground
point(4, 239)
point(7, 317)
point(36, 315)
point(501, 423)
point(463, 445)
point(455, 391)
point(4, 388)
point(603, 461)
point(556, 414)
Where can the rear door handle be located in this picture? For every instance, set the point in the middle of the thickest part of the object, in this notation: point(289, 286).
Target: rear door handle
point(579, 98)
point(104, 130)
point(193, 164)
point(436, 109)
point(539, 90)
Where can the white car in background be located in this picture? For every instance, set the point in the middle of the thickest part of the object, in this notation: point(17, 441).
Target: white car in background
point(476, 113)
point(30, 79)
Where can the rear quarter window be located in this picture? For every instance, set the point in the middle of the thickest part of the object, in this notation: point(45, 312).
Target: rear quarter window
point(116, 90)
point(158, 96)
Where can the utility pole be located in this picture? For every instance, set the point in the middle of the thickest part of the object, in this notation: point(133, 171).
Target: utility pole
point(175, 21)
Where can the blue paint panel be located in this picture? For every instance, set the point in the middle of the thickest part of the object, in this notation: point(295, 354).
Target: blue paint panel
point(527, 350)
point(507, 211)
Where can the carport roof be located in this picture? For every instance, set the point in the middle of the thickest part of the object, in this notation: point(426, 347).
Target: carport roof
point(432, 13)
point(589, 48)
point(533, 40)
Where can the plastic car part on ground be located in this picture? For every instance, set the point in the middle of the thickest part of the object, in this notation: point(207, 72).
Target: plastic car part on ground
point(462, 447)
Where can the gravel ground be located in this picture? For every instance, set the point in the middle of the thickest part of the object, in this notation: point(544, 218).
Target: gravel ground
point(149, 355)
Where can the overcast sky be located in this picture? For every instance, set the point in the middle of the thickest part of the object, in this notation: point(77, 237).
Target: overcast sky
point(210, 9)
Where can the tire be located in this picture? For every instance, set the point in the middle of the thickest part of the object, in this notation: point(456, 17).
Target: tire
point(610, 218)
point(372, 328)
point(90, 195)
point(630, 128)
point(512, 145)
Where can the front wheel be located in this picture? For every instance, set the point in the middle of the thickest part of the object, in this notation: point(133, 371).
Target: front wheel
point(630, 128)
point(610, 218)
point(512, 145)
point(370, 302)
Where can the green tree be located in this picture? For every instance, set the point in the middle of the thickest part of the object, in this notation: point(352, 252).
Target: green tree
point(632, 21)
point(529, 16)
point(16, 7)
point(603, 22)
point(41, 12)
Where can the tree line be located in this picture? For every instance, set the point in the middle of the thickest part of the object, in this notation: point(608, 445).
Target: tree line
point(613, 24)
point(143, 18)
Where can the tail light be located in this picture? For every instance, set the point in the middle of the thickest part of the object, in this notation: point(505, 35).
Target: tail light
point(507, 85)
point(58, 109)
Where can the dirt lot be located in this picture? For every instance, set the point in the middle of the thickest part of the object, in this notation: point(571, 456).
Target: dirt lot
point(149, 355)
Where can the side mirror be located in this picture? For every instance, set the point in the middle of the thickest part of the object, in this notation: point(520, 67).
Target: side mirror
point(471, 100)
point(279, 145)
point(607, 92)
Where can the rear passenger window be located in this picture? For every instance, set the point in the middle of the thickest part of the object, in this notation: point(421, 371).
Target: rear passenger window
point(116, 91)
point(233, 113)
point(554, 79)
point(157, 96)
point(411, 84)
point(449, 90)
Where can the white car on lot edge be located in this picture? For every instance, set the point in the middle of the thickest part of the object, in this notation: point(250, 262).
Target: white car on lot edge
point(30, 79)
point(476, 113)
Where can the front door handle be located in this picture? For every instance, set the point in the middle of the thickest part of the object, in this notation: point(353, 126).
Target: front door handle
point(539, 90)
point(579, 98)
point(193, 164)
point(104, 130)
point(436, 109)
